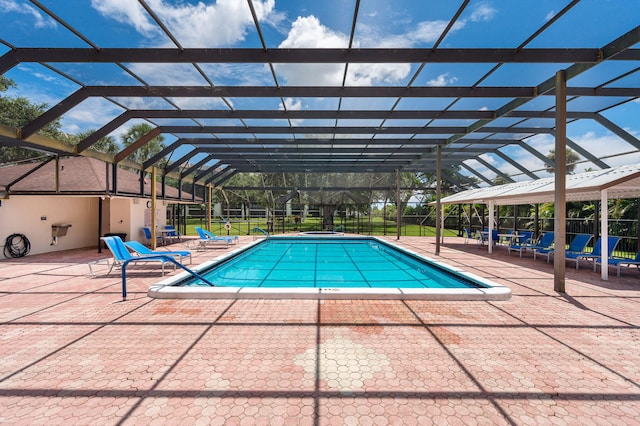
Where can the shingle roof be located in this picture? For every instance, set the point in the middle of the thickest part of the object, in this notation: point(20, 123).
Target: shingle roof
point(78, 175)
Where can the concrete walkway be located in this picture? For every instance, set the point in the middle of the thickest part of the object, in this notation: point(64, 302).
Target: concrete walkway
point(74, 353)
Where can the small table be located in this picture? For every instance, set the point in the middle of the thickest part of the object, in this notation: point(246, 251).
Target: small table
point(509, 237)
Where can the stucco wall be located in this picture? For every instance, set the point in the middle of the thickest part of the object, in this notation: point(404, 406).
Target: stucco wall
point(34, 215)
point(22, 215)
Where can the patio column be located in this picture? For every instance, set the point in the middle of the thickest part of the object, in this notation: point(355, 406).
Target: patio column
point(560, 197)
point(490, 235)
point(438, 195)
point(399, 206)
point(153, 209)
point(604, 235)
point(209, 194)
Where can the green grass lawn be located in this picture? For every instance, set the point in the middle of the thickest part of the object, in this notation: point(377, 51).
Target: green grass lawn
point(377, 226)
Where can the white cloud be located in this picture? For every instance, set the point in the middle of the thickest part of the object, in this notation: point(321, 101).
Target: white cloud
point(128, 12)
point(482, 12)
point(41, 21)
point(308, 32)
point(442, 80)
point(550, 15)
point(91, 113)
point(200, 103)
point(168, 74)
point(292, 104)
point(429, 31)
point(194, 25)
point(607, 145)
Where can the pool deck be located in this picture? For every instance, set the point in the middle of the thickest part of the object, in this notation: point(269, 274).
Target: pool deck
point(74, 353)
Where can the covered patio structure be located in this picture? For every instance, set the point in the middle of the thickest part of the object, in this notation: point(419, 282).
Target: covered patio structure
point(601, 185)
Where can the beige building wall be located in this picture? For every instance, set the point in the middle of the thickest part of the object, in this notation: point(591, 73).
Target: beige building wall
point(34, 215)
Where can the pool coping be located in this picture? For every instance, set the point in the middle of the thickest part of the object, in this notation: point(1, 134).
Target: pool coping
point(166, 290)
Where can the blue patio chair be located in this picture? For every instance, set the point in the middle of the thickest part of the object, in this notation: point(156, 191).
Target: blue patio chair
point(577, 245)
point(207, 238)
point(121, 254)
point(143, 250)
point(172, 234)
point(545, 242)
point(612, 242)
point(618, 262)
point(467, 235)
point(484, 236)
point(147, 235)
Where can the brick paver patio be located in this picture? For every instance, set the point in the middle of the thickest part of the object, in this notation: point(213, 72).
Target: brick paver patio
point(74, 353)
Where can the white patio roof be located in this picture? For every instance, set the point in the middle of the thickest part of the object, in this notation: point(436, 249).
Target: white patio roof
point(620, 182)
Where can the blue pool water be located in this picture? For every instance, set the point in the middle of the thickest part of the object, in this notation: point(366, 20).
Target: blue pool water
point(300, 262)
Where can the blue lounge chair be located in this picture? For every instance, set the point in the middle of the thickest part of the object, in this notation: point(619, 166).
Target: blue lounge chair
point(612, 242)
point(544, 242)
point(121, 254)
point(207, 238)
point(143, 250)
point(619, 262)
point(523, 241)
point(577, 245)
point(147, 235)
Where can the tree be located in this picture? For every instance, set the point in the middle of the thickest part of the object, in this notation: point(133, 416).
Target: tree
point(501, 180)
point(106, 144)
point(146, 151)
point(572, 159)
point(16, 112)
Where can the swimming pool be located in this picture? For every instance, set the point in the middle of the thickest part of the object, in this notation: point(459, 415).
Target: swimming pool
point(329, 267)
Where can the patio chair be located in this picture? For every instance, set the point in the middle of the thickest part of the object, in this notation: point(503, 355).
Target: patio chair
point(121, 254)
point(207, 238)
point(618, 262)
point(172, 234)
point(147, 235)
point(143, 250)
point(577, 245)
point(612, 242)
point(483, 236)
point(467, 235)
point(545, 242)
point(523, 241)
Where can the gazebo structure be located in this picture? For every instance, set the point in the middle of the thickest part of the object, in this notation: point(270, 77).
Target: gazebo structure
point(462, 86)
point(602, 185)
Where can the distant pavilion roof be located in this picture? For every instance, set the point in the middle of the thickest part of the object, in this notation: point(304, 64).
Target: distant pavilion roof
point(620, 182)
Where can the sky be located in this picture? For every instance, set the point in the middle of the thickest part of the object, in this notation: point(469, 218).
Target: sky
point(327, 24)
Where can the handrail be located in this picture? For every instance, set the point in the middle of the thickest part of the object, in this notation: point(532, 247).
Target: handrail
point(156, 256)
point(262, 231)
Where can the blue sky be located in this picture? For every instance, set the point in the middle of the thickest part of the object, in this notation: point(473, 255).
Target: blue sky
point(327, 23)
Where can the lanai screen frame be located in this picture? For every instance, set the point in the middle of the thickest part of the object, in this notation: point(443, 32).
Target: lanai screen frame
point(213, 157)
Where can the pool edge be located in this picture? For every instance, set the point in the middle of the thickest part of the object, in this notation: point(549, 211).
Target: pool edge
point(166, 291)
point(493, 292)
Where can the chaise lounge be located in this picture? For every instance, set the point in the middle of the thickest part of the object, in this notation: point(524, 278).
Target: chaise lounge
point(596, 253)
point(618, 262)
point(577, 245)
point(143, 250)
point(121, 254)
point(207, 238)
